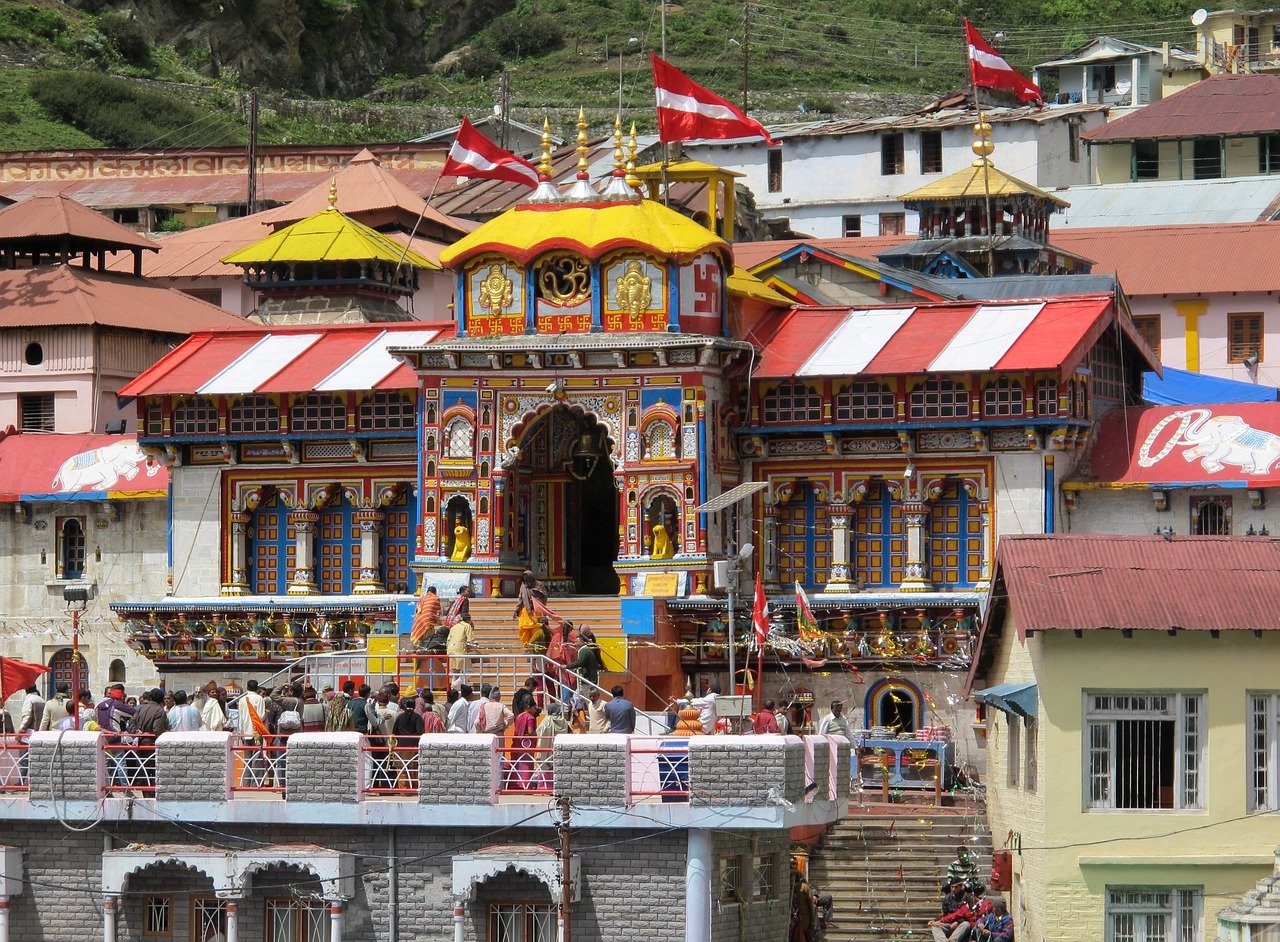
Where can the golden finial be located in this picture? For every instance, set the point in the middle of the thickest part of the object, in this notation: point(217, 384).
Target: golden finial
point(633, 145)
point(544, 165)
point(333, 194)
point(983, 146)
point(583, 165)
point(619, 161)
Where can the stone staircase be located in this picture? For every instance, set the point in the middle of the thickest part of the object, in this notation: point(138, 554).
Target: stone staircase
point(884, 869)
point(495, 629)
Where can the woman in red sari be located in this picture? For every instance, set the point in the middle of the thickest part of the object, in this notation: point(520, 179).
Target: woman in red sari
point(524, 738)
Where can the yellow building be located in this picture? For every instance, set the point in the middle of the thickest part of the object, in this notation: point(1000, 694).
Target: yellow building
point(1238, 40)
point(1132, 707)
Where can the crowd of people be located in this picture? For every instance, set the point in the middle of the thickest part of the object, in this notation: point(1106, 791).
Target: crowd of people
point(968, 914)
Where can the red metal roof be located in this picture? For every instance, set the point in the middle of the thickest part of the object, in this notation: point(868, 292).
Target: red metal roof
point(330, 357)
point(58, 295)
point(967, 336)
point(1236, 444)
point(35, 466)
point(1071, 582)
point(55, 215)
point(1217, 105)
point(751, 254)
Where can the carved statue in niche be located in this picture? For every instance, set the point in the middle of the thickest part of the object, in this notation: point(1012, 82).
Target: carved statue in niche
point(564, 280)
point(461, 545)
point(634, 292)
point(496, 291)
point(662, 546)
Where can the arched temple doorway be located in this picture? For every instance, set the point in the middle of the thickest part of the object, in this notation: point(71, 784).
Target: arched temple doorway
point(564, 511)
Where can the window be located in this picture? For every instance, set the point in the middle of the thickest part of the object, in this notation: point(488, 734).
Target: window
point(521, 922)
point(775, 169)
point(37, 412)
point(1149, 330)
point(1073, 141)
point(1206, 160)
point(865, 401)
point(1013, 752)
point(211, 295)
point(1146, 160)
point(1029, 754)
point(126, 217)
point(931, 152)
point(1211, 516)
point(1269, 153)
point(208, 919)
point(294, 920)
point(1264, 760)
point(157, 912)
point(891, 154)
point(1047, 397)
point(893, 224)
point(319, 412)
point(792, 402)
point(34, 354)
point(763, 877)
point(254, 414)
point(1143, 751)
point(731, 877)
point(70, 548)
point(1108, 375)
point(1154, 914)
point(1245, 333)
point(851, 226)
point(659, 442)
point(940, 399)
point(1104, 78)
point(1003, 399)
point(153, 419)
point(388, 410)
point(459, 439)
point(195, 416)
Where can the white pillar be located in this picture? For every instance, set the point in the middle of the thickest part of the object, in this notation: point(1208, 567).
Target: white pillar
point(459, 911)
point(304, 573)
point(370, 580)
point(697, 887)
point(335, 920)
point(840, 578)
point(109, 917)
point(233, 921)
point(4, 919)
point(238, 581)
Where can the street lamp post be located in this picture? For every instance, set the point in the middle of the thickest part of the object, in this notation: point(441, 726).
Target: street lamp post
point(77, 596)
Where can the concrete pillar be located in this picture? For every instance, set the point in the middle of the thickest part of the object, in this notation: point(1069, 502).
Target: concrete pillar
point(335, 920)
point(304, 573)
point(697, 887)
point(370, 581)
point(915, 516)
point(109, 903)
point(233, 921)
point(238, 579)
point(840, 579)
point(459, 913)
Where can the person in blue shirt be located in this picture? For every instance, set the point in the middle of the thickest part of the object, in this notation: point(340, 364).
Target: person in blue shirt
point(620, 711)
point(995, 926)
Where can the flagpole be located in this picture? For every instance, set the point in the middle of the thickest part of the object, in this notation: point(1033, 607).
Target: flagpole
point(981, 143)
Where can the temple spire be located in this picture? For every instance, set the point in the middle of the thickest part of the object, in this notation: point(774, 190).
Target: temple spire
point(582, 189)
point(618, 188)
point(546, 191)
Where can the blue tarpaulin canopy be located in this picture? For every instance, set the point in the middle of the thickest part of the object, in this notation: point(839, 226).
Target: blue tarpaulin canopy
point(1182, 388)
point(1018, 699)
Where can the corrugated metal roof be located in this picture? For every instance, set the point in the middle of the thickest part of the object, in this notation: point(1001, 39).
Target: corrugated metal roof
point(1111, 49)
point(751, 254)
point(1217, 105)
point(1169, 202)
point(1143, 583)
point(55, 215)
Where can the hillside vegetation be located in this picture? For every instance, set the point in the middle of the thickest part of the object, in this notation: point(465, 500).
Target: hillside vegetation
point(362, 70)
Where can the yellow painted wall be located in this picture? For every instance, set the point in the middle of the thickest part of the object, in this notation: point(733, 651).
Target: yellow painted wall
point(1226, 853)
point(1112, 163)
point(1242, 157)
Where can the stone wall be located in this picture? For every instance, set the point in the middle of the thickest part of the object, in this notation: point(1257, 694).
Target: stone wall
point(458, 769)
point(325, 767)
point(66, 766)
point(750, 915)
point(592, 768)
point(193, 767)
point(718, 767)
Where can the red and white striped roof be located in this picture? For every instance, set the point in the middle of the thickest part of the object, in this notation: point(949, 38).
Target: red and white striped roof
point(328, 358)
point(955, 337)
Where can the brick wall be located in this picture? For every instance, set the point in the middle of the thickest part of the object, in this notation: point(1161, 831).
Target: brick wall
point(458, 769)
point(66, 766)
point(718, 767)
point(751, 920)
point(325, 767)
point(193, 767)
point(592, 768)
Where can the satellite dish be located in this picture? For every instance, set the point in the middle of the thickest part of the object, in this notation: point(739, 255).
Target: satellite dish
point(1198, 18)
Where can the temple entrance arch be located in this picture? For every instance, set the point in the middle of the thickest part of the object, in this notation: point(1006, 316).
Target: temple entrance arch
point(564, 502)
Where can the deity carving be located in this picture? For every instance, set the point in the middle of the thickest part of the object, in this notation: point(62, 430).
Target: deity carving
point(461, 545)
point(634, 292)
point(496, 291)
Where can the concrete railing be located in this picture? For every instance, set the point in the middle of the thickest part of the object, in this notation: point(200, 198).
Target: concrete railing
point(440, 768)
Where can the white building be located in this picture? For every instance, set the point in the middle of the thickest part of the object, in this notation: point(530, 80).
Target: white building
point(1112, 71)
point(836, 179)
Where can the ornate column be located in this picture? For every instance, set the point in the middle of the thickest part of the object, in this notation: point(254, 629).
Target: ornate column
point(335, 920)
point(109, 904)
point(233, 921)
point(840, 579)
point(499, 514)
point(915, 516)
point(238, 583)
point(304, 572)
point(370, 524)
point(982, 507)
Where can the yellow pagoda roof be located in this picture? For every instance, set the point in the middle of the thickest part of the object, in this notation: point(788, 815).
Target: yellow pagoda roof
point(685, 170)
point(328, 236)
point(968, 184)
point(592, 229)
point(746, 285)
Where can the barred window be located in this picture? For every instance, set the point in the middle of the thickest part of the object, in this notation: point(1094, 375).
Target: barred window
point(153, 420)
point(157, 917)
point(459, 439)
point(1245, 332)
point(1003, 399)
point(940, 399)
point(864, 401)
point(1047, 397)
point(254, 414)
point(1155, 914)
point(1211, 516)
point(388, 411)
point(1144, 751)
point(195, 416)
point(1108, 374)
point(319, 412)
point(793, 402)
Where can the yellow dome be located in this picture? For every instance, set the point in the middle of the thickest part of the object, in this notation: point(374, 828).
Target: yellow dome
point(590, 229)
point(328, 236)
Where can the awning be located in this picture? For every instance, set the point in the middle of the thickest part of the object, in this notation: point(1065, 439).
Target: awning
point(1180, 388)
point(1015, 699)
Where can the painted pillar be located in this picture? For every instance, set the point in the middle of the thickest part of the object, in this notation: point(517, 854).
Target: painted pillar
point(1049, 488)
point(335, 920)
point(238, 583)
point(1190, 310)
point(4, 919)
point(233, 921)
point(769, 551)
point(109, 904)
point(304, 573)
point(704, 460)
point(459, 913)
point(499, 513)
point(840, 579)
point(697, 887)
point(370, 524)
point(915, 515)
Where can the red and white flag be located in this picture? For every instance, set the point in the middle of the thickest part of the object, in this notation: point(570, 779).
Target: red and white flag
point(990, 70)
point(689, 112)
point(475, 156)
point(760, 614)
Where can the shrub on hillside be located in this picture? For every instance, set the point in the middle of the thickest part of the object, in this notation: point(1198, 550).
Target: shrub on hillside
point(516, 36)
point(479, 61)
point(124, 114)
point(129, 37)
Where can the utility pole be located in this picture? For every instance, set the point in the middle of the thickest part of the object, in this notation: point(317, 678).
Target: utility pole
point(504, 109)
point(252, 197)
point(746, 50)
point(566, 870)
